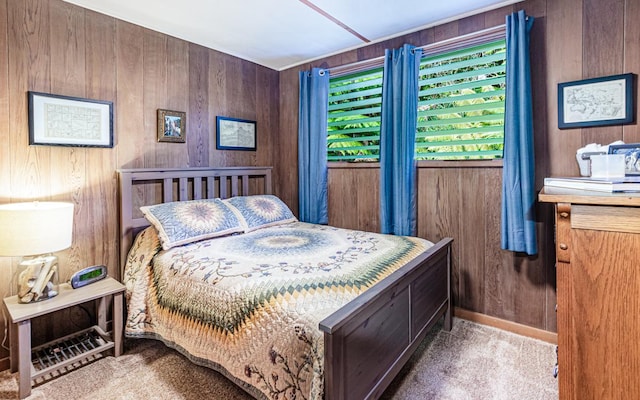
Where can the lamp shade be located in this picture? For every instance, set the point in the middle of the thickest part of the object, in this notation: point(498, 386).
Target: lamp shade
point(34, 228)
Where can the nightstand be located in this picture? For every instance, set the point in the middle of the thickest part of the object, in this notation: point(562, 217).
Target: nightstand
point(37, 362)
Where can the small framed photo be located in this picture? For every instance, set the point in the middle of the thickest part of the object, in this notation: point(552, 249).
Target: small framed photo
point(631, 153)
point(56, 120)
point(172, 126)
point(596, 102)
point(235, 134)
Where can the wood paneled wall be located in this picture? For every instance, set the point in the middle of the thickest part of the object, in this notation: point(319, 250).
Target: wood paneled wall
point(570, 40)
point(55, 47)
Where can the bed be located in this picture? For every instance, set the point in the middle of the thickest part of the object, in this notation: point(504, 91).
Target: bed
point(376, 296)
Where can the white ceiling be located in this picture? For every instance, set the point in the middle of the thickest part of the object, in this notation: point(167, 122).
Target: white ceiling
point(280, 34)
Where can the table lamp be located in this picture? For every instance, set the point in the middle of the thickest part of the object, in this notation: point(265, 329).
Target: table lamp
point(34, 231)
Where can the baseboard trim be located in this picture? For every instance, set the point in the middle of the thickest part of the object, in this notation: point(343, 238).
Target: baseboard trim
point(513, 327)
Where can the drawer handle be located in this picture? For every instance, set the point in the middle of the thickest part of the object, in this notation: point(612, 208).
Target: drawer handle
point(564, 214)
point(563, 246)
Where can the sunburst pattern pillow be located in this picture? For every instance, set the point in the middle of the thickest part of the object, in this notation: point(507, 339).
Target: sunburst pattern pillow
point(261, 211)
point(183, 222)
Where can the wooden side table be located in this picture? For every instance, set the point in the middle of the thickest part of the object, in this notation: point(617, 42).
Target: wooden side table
point(69, 349)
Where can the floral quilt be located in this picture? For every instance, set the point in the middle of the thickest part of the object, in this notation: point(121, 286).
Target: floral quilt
point(249, 305)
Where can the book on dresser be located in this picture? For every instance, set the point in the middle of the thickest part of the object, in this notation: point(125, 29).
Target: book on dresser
point(610, 185)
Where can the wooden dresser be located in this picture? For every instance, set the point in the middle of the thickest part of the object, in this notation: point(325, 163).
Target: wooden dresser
point(598, 293)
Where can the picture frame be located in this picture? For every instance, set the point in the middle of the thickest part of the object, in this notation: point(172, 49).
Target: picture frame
point(631, 153)
point(172, 126)
point(235, 134)
point(56, 120)
point(596, 102)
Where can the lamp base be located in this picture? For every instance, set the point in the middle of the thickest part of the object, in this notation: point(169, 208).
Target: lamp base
point(37, 278)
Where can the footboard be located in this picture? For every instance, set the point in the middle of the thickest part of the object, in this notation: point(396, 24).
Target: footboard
point(369, 340)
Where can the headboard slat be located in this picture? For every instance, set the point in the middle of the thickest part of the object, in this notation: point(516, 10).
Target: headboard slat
point(183, 186)
point(267, 184)
point(234, 185)
point(211, 186)
point(197, 188)
point(141, 178)
point(222, 192)
point(245, 184)
point(167, 190)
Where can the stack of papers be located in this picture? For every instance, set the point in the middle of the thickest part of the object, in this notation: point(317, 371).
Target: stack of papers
point(626, 184)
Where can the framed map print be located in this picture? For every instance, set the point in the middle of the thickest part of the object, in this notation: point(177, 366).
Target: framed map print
point(69, 121)
point(596, 102)
point(235, 134)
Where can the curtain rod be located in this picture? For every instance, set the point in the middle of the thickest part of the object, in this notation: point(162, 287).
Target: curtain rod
point(470, 39)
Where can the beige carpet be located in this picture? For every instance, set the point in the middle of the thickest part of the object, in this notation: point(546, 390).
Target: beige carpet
point(470, 362)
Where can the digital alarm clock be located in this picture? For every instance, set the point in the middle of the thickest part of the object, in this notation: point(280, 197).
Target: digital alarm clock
point(88, 275)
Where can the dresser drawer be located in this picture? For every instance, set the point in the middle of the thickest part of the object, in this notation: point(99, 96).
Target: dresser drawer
point(605, 218)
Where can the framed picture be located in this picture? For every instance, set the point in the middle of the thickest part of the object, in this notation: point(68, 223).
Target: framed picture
point(631, 153)
point(235, 134)
point(172, 126)
point(69, 121)
point(596, 102)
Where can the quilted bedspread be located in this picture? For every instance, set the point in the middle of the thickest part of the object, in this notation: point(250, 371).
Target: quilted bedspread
point(249, 305)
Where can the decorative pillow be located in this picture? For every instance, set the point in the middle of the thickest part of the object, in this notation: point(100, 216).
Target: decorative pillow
point(183, 222)
point(261, 211)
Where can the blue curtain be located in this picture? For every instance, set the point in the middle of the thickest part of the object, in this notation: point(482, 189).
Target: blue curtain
point(312, 146)
point(397, 140)
point(518, 179)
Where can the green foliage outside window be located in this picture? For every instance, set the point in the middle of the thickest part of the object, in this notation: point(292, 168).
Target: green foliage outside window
point(461, 104)
point(354, 117)
point(460, 108)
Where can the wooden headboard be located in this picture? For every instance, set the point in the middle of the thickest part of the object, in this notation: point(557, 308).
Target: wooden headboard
point(148, 186)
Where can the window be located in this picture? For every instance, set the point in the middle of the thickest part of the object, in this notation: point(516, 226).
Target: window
point(354, 116)
point(460, 108)
point(461, 104)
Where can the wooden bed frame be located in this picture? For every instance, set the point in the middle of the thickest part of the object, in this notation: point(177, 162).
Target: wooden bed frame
point(369, 339)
